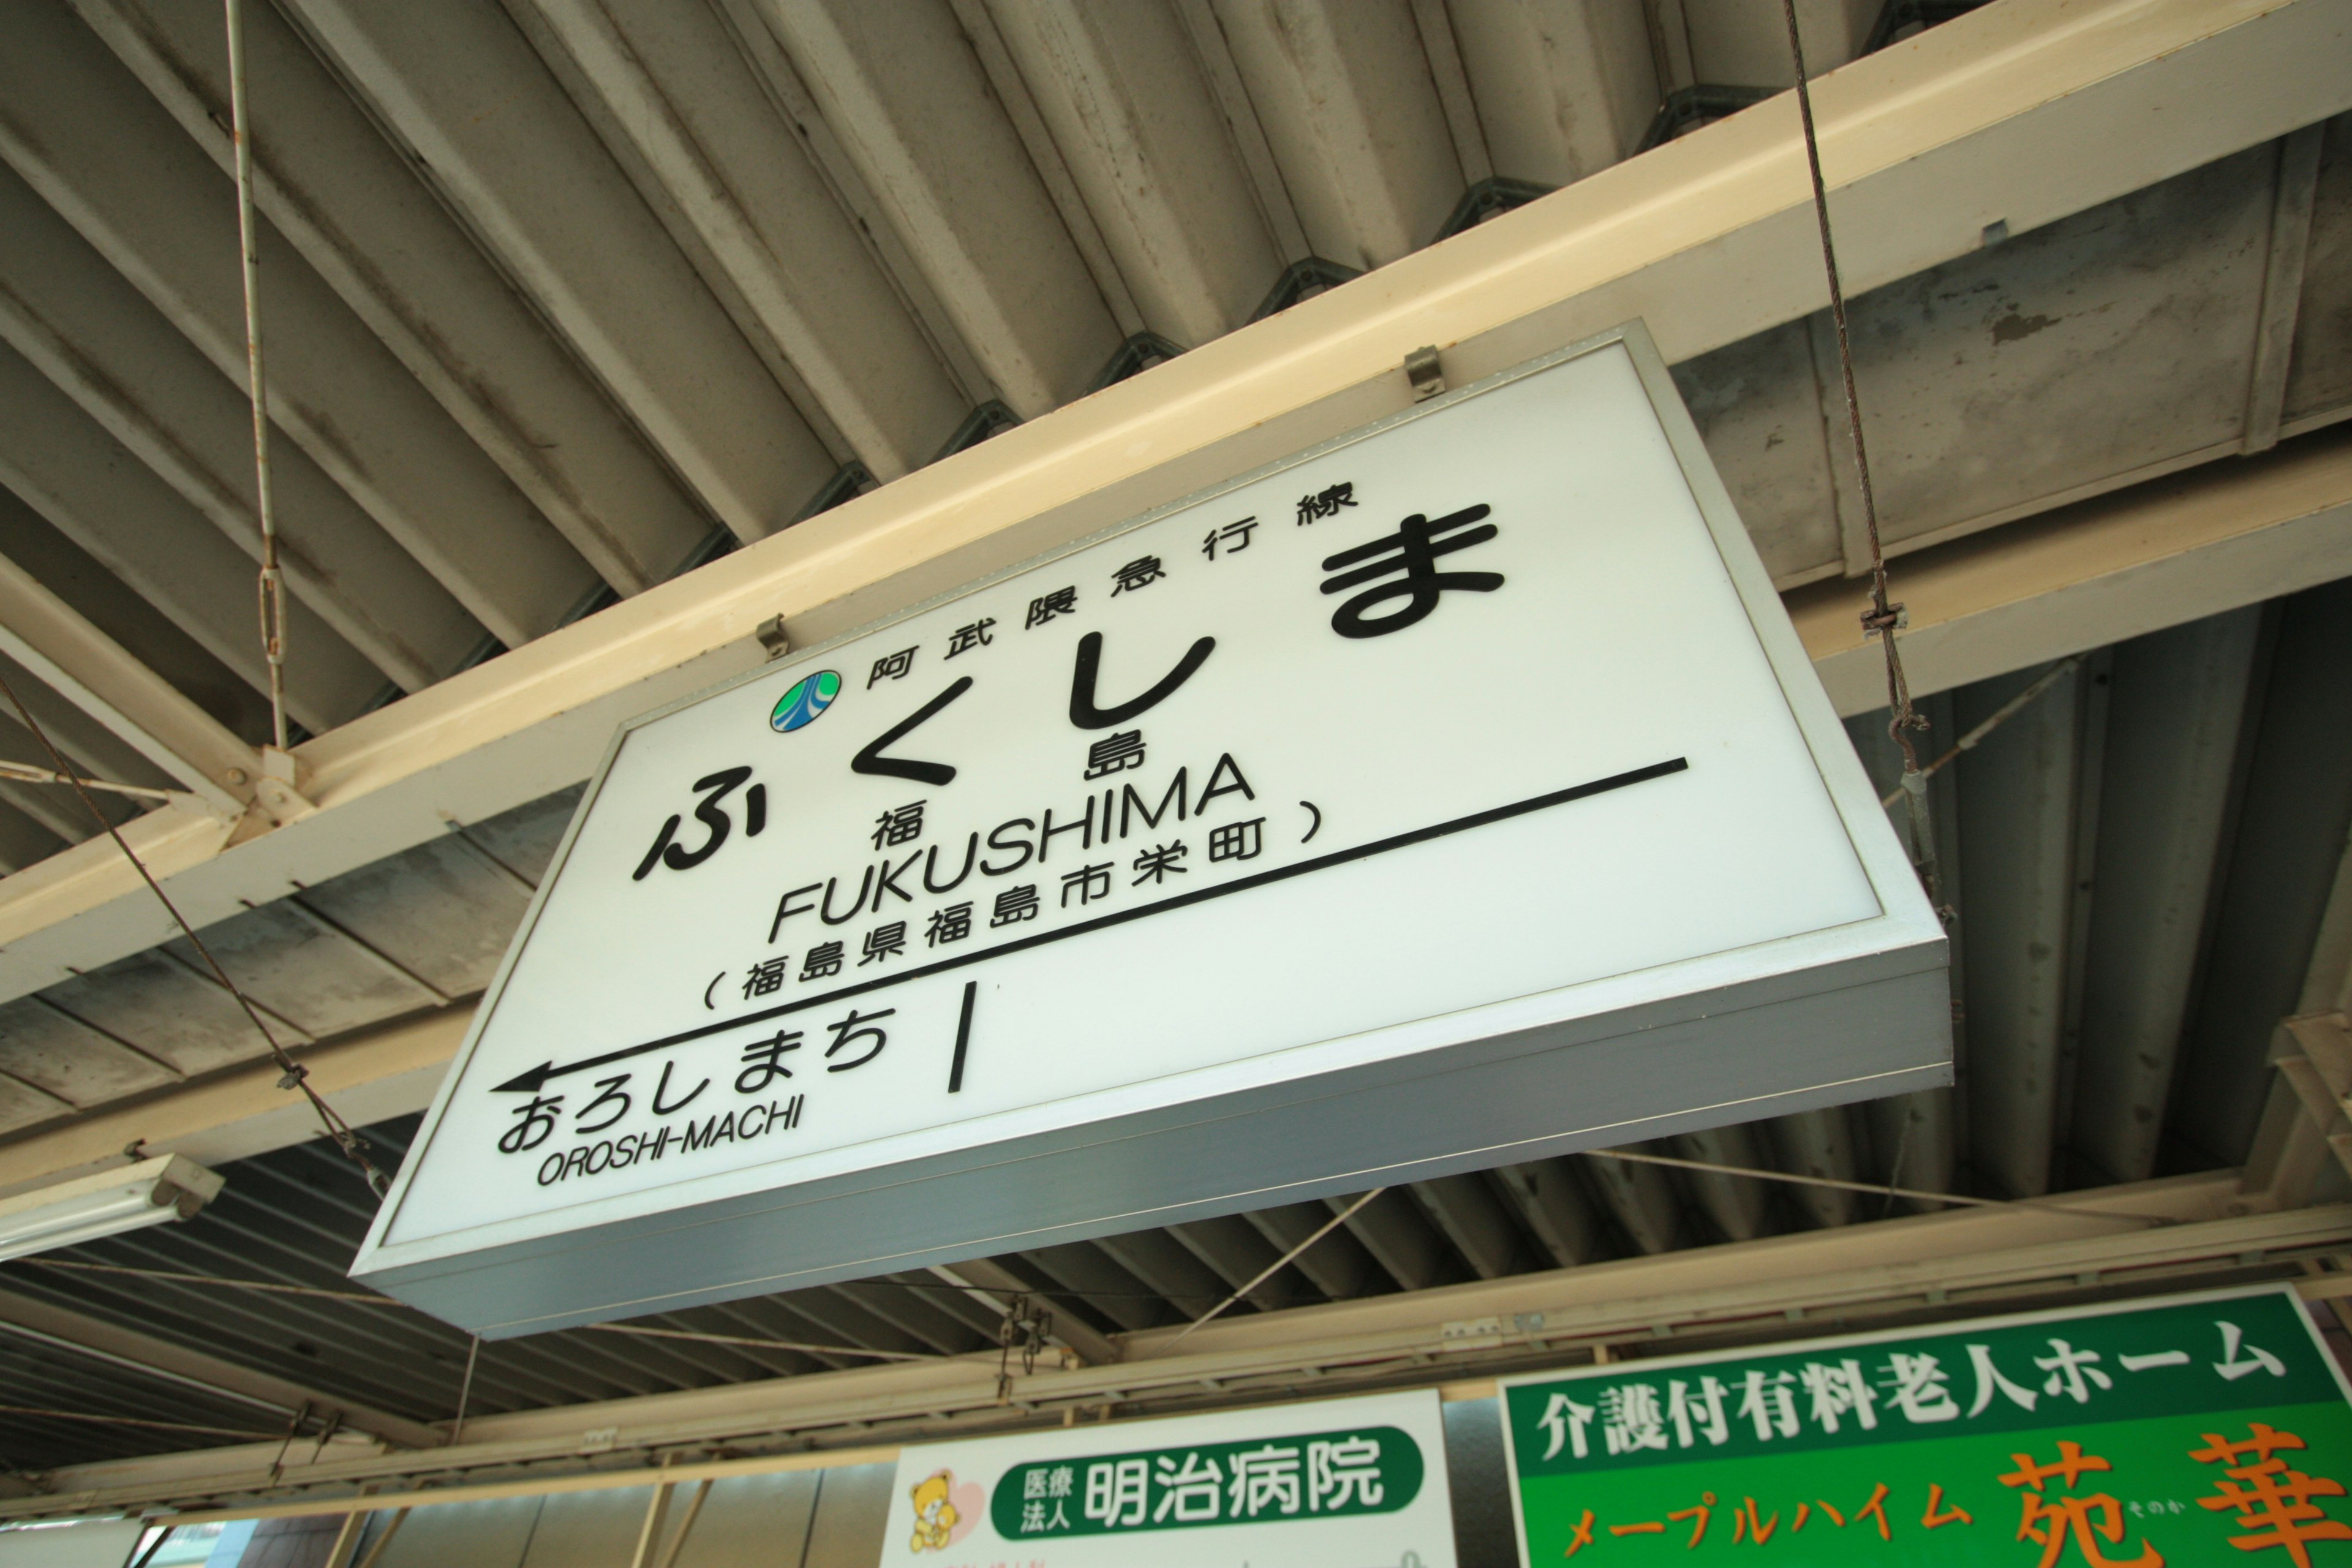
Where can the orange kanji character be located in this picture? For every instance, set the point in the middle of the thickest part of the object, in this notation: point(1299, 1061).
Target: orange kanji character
point(1933, 1518)
point(1877, 1505)
point(2275, 1498)
point(1745, 1525)
point(2071, 1463)
point(2071, 1515)
point(1702, 1510)
point(2265, 1441)
point(1580, 1536)
point(1652, 1528)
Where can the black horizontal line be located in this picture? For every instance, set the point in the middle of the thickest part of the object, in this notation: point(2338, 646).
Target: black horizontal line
point(530, 1081)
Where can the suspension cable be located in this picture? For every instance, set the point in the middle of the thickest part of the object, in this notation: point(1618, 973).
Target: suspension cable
point(272, 585)
point(1263, 1275)
point(1999, 716)
point(1883, 618)
point(1875, 1188)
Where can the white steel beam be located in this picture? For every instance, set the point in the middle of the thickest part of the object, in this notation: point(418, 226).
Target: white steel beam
point(2178, 699)
point(66, 310)
point(84, 134)
point(1711, 239)
point(1138, 130)
point(461, 91)
point(902, 90)
point(1739, 1206)
point(27, 1315)
point(1345, 93)
point(1565, 88)
point(1215, 53)
point(335, 187)
point(89, 669)
point(63, 465)
point(1021, 107)
point(2176, 550)
point(232, 1115)
point(683, 111)
point(2019, 823)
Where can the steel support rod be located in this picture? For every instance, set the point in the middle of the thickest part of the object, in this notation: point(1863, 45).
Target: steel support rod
point(273, 580)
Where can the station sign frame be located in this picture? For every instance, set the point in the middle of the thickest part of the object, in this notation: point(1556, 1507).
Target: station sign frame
point(1843, 999)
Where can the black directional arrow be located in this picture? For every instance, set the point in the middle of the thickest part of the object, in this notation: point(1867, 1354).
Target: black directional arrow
point(536, 1079)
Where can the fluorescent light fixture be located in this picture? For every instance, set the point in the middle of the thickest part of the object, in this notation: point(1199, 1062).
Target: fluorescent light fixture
point(167, 1188)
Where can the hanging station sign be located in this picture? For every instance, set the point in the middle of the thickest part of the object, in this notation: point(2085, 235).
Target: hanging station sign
point(2182, 1432)
point(1452, 793)
point(1343, 1481)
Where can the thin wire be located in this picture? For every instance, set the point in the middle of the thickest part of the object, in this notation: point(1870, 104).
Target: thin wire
point(1874, 1188)
point(465, 1389)
point(272, 584)
point(1883, 617)
point(1999, 716)
point(367, 1299)
point(700, 1337)
point(175, 1277)
point(292, 1074)
point(134, 1421)
point(1263, 1275)
point(1902, 1149)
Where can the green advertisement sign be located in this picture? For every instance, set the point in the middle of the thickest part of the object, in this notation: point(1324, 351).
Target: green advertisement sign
point(2186, 1431)
point(1324, 1474)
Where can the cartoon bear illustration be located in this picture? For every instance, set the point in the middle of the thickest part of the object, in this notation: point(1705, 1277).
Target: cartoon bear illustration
point(935, 1516)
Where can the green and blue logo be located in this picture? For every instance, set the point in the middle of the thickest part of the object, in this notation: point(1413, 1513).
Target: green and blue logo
point(809, 697)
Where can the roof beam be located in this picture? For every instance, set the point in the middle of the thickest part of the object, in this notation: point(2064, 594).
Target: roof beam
point(1474, 1219)
point(2099, 572)
point(82, 131)
point(332, 186)
point(176, 1363)
point(1119, 93)
point(1709, 237)
point(994, 1286)
point(231, 1115)
point(903, 92)
point(685, 115)
point(2176, 708)
point(460, 89)
point(89, 669)
point(1238, 1252)
point(1554, 1207)
point(73, 475)
point(66, 310)
point(1898, 1265)
point(1740, 1206)
point(1350, 101)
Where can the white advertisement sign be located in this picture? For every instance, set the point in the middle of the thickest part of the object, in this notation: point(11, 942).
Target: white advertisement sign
point(1344, 1483)
point(1478, 723)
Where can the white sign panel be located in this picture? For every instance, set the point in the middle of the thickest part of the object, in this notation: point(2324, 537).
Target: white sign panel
point(1342, 1483)
point(1452, 793)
